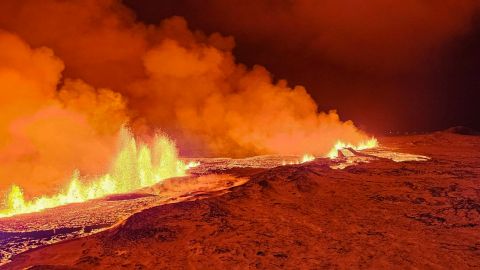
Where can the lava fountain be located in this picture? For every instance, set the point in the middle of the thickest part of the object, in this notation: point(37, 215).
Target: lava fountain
point(136, 165)
point(371, 143)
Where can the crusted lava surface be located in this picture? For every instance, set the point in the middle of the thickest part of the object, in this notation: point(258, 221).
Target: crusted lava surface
point(380, 215)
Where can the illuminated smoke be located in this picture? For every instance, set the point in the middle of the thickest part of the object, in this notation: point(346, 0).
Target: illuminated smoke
point(45, 134)
point(73, 72)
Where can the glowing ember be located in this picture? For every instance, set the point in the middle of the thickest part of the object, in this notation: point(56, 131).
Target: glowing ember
point(135, 166)
point(372, 143)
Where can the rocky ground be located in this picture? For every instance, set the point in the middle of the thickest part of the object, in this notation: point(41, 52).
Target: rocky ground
point(377, 215)
point(25, 232)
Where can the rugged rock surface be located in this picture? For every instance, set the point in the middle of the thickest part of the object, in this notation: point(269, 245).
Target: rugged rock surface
point(379, 215)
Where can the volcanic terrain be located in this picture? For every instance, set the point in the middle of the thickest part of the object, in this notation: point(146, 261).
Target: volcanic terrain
point(376, 213)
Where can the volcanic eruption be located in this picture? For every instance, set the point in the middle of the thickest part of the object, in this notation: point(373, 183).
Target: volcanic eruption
point(121, 133)
point(190, 87)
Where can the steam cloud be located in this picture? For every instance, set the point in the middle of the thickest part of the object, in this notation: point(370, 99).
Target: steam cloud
point(380, 62)
point(72, 72)
point(46, 131)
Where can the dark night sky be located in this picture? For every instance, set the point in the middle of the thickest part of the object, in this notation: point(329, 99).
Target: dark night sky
point(435, 88)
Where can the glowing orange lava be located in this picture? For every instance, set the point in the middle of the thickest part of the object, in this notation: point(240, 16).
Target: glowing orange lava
point(136, 165)
point(371, 143)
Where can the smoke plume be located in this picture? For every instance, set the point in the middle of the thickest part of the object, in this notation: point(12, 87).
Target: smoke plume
point(73, 72)
point(381, 63)
point(46, 133)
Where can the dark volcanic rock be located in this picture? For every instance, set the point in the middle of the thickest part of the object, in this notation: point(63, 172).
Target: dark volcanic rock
point(379, 215)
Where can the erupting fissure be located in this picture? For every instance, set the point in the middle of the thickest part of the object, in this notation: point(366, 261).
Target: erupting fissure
point(371, 143)
point(136, 165)
point(65, 93)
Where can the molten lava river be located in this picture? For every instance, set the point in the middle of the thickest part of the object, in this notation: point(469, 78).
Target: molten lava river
point(143, 176)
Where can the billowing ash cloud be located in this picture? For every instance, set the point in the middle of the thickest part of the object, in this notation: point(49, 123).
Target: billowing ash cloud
point(72, 72)
point(47, 130)
point(379, 62)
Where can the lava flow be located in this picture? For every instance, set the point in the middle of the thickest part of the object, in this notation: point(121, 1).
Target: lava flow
point(137, 165)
